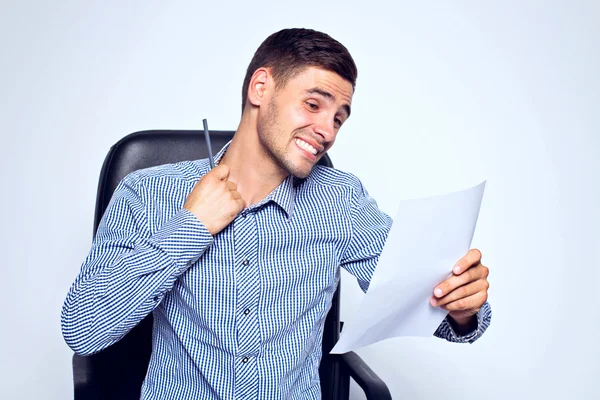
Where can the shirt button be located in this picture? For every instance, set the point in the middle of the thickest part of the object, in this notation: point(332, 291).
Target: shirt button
point(155, 298)
point(245, 360)
point(246, 311)
point(245, 262)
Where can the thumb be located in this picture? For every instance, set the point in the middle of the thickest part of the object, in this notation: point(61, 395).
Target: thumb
point(221, 172)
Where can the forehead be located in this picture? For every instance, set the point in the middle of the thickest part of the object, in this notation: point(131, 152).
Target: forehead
point(314, 77)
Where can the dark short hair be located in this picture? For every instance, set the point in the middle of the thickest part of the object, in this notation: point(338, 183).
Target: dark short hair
point(289, 51)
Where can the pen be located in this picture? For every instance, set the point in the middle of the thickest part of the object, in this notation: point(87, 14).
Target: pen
point(208, 146)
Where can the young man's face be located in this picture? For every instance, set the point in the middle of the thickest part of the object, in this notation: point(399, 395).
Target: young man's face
point(301, 120)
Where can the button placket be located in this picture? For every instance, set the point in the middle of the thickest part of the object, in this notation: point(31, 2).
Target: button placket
point(247, 281)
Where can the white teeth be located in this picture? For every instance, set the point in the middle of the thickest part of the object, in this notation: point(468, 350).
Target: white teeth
point(302, 144)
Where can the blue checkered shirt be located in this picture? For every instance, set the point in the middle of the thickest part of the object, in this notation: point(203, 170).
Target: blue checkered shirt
point(238, 315)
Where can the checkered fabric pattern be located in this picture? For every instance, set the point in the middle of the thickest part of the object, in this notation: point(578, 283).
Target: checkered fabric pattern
point(238, 315)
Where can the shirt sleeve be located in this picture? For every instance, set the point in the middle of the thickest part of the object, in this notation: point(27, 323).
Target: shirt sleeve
point(484, 317)
point(370, 227)
point(128, 270)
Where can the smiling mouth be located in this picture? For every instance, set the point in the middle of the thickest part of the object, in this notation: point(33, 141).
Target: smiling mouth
point(305, 146)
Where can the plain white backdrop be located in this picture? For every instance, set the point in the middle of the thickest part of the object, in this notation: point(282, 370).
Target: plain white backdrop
point(448, 94)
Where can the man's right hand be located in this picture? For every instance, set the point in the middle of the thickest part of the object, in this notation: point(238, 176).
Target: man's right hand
point(215, 200)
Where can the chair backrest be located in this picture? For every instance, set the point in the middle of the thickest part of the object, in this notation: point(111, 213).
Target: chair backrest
point(118, 371)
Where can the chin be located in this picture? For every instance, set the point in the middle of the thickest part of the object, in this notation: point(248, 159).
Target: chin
point(299, 171)
point(301, 174)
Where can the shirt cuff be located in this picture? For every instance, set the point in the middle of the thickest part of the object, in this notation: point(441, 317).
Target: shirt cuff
point(184, 238)
point(484, 317)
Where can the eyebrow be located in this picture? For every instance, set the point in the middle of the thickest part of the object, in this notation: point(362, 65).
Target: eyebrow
point(329, 96)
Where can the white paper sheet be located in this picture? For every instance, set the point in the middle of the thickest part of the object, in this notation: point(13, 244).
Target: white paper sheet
point(427, 238)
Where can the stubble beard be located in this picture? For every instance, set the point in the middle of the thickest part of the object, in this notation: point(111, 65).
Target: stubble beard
point(268, 132)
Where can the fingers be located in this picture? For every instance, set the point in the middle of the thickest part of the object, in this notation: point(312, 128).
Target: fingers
point(472, 258)
point(466, 289)
point(215, 200)
point(455, 281)
point(473, 302)
point(241, 203)
point(231, 185)
point(221, 172)
point(235, 195)
point(461, 292)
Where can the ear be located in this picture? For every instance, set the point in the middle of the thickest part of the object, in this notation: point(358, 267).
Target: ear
point(259, 84)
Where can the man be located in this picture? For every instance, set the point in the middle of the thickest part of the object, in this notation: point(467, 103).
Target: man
point(239, 264)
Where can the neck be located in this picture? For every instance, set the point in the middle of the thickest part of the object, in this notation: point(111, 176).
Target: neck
point(251, 167)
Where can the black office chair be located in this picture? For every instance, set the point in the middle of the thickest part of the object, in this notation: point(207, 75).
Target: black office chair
point(118, 371)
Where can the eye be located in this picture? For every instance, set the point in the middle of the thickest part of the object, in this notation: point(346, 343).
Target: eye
point(312, 106)
point(337, 122)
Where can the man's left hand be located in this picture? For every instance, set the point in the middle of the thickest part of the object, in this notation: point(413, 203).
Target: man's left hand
point(465, 291)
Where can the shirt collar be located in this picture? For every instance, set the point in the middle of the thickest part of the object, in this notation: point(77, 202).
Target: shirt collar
point(221, 153)
point(283, 195)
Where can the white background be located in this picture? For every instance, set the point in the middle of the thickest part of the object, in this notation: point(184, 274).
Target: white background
point(449, 93)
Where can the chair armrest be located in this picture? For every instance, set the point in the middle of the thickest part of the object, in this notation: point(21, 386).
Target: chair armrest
point(371, 384)
point(84, 388)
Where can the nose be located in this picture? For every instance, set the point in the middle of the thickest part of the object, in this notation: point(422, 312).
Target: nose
point(325, 127)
